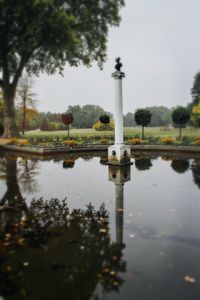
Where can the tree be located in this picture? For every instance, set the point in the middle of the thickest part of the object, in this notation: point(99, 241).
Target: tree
point(44, 35)
point(143, 164)
point(143, 118)
point(104, 119)
point(195, 91)
point(195, 167)
point(180, 165)
point(26, 99)
point(67, 120)
point(180, 117)
point(195, 114)
point(86, 116)
point(129, 120)
point(44, 124)
point(161, 115)
point(98, 126)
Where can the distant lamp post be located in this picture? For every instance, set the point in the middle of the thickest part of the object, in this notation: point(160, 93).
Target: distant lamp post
point(119, 154)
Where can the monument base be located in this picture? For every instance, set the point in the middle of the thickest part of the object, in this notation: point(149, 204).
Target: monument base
point(119, 155)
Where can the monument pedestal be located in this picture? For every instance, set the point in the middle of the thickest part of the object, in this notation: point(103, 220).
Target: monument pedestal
point(119, 155)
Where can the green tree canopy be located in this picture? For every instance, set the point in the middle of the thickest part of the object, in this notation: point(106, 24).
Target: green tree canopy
point(104, 119)
point(180, 117)
point(43, 35)
point(143, 118)
point(85, 116)
point(180, 165)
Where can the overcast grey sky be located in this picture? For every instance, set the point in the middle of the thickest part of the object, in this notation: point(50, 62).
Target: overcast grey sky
point(159, 43)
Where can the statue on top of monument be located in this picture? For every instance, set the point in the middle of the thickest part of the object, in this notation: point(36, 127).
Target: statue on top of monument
point(118, 65)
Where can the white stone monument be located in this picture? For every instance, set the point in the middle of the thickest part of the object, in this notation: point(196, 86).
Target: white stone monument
point(119, 175)
point(119, 154)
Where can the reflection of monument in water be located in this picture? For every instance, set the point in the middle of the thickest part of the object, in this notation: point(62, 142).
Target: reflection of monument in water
point(119, 175)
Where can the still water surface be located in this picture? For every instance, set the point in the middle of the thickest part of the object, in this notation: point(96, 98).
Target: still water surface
point(73, 228)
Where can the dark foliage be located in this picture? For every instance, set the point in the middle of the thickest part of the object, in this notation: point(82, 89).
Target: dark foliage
point(67, 118)
point(44, 124)
point(143, 164)
point(105, 119)
point(180, 165)
point(195, 91)
point(180, 117)
point(143, 117)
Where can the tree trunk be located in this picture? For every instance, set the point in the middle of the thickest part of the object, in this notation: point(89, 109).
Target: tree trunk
point(10, 127)
point(68, 131)
point(142, 132)
point(24, 117)
point(180, 135)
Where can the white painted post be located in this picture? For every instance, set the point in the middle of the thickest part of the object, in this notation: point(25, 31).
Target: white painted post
point(119, 137)
point(119, 154)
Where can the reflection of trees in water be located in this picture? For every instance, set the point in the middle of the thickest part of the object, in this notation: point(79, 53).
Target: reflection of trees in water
point(195, 167)
point(13, 194)
point(180, 165)
point(27, 172)
point(104, 159)
point(143, 164)
point(63, 254)
point(18, 173)
point(69, 161)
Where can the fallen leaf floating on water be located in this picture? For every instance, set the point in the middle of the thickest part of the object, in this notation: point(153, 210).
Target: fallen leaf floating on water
point(189, 279)
point(132, 235)
point(113, 273)
point(130, 214)
point(103, 230)
point(114, 257)
point(106, 270)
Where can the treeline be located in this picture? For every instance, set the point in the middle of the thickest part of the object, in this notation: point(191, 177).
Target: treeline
point(86, 116)
point(161, 116)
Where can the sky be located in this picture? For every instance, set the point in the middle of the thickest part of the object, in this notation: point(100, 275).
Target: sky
point(159, 44)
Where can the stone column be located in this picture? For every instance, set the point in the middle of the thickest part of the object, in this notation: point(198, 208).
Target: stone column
point(119, 137)
point(119, 154)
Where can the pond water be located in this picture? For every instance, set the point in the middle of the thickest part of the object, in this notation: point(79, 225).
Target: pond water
point(73, 228)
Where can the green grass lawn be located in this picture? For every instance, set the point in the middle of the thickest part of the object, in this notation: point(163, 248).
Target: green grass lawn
point(128, 131)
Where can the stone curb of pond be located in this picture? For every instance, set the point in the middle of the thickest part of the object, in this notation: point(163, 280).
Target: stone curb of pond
point(97, 148)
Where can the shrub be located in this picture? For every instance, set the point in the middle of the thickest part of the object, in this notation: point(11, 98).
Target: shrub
point(135, 141)
point(44, 124)
point(196, 141)
point(22, 142)
point(104, 141)
point(12, 141)
point(71, 143)
point(19, 142)
point(167, 140)
point(98, 126)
